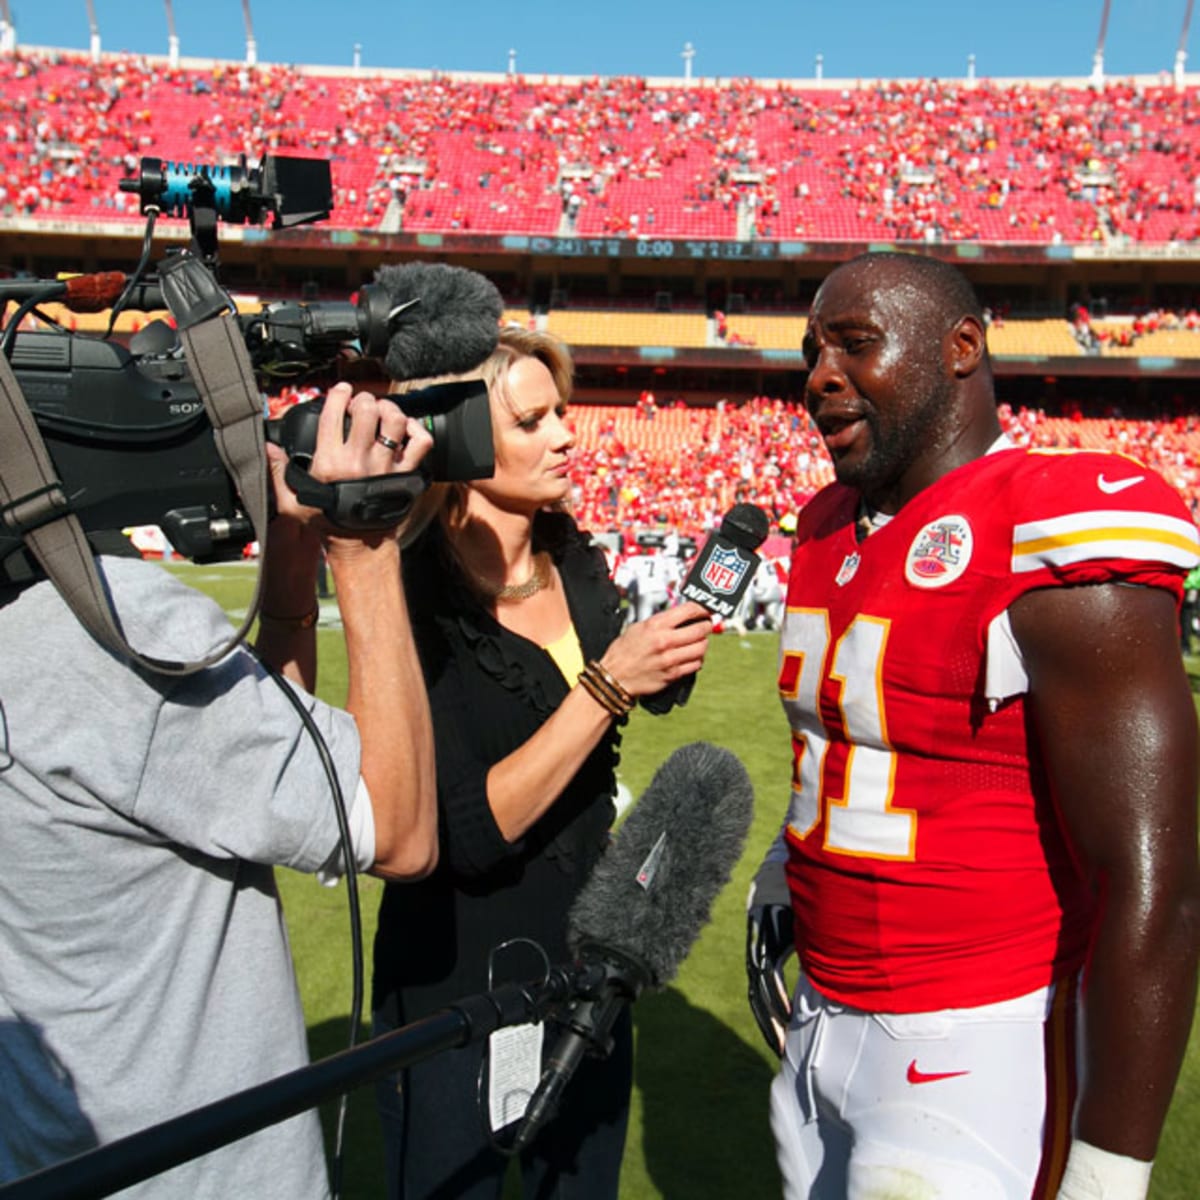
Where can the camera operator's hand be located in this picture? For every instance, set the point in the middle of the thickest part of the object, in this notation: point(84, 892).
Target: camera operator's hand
point(286, 635)
point(380, 440)
point(653, 653)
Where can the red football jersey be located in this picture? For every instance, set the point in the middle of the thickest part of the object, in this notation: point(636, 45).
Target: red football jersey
point(926, 866)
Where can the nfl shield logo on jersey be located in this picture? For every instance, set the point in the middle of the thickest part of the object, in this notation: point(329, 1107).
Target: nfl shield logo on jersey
point(940, 553)
point(848, 569)
point(724, 570)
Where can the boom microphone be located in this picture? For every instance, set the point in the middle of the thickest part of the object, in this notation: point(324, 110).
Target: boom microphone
point(444, 320)
point(647, 900)
point(719, 577)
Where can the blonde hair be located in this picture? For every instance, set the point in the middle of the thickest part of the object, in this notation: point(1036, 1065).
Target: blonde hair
point(549, 350)
point(448, 500)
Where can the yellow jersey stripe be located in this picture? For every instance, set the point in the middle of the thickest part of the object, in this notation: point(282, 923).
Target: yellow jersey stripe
point(1153, 538)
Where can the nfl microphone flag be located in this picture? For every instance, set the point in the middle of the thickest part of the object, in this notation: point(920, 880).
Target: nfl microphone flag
point(718, 580)
point(726, 565)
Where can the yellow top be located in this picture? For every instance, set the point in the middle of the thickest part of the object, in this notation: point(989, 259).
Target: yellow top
point(568, 654)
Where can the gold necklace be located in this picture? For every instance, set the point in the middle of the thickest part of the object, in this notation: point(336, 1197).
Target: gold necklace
point(510, 592)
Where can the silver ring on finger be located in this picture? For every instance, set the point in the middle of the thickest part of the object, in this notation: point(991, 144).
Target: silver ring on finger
point(384, 440)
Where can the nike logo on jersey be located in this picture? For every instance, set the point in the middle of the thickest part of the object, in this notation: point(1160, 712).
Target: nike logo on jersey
point(917, 1076)
point(1110, 487)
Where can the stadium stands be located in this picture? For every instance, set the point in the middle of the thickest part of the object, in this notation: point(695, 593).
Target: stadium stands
point(923, 161)
point(628, 328)
point(1051, 337)
point(684, 467)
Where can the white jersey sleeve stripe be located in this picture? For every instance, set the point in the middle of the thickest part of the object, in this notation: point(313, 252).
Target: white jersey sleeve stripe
point(1078, 537)
point(1104, 518)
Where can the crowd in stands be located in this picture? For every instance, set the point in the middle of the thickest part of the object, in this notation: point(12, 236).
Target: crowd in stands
point(766, 451)
point(668, 466)
point(1097, 336)
point(927, 160)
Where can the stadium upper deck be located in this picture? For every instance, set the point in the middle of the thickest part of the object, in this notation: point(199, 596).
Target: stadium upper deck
point(997, 162)
point(672, 233)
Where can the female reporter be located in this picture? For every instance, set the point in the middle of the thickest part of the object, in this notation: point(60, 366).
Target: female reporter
point(529, 678)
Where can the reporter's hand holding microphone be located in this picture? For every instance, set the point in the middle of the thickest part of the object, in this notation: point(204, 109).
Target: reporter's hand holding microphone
point(669, 647)
point(650, 655)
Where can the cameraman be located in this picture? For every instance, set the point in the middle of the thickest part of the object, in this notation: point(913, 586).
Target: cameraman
point(146, 965)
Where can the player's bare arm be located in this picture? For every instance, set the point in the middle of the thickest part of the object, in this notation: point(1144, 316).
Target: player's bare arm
point(1117, 728)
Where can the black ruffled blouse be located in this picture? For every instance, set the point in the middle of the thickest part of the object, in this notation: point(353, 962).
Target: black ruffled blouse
point(490, 690)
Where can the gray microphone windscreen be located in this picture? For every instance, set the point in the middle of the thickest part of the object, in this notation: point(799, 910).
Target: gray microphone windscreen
point(453, 328)
point(653, 891)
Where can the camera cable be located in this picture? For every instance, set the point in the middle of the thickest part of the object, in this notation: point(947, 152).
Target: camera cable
point(356, 1004)
point(152, 212)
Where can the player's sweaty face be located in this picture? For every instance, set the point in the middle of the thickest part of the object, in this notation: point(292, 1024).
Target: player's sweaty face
point(877, 382)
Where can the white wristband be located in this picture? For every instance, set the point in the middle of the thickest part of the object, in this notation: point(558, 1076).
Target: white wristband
point(1095, 1174)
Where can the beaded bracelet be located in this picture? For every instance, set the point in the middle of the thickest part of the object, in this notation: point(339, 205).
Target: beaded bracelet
point(605, 690)
point(291, 624)
point(605, 674)
point(607, 702)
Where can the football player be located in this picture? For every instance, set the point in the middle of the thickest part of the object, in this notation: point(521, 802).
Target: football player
point(988, 865)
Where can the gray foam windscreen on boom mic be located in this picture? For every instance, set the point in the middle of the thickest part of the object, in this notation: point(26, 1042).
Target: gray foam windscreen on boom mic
point(653, 891)
point(450, 331)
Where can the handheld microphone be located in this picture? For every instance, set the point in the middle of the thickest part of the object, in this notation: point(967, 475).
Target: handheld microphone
point(443, 321)
point(636, 918)
point(718, 579)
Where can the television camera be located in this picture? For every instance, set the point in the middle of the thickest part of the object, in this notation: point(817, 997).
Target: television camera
point(124, 422)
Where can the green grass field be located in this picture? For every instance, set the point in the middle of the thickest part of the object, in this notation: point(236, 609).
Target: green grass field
point(699, 1124)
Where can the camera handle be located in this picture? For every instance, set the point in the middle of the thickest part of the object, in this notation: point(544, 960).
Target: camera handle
point(376, 502)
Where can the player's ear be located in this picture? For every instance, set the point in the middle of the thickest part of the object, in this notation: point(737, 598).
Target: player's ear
point(966, 346)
